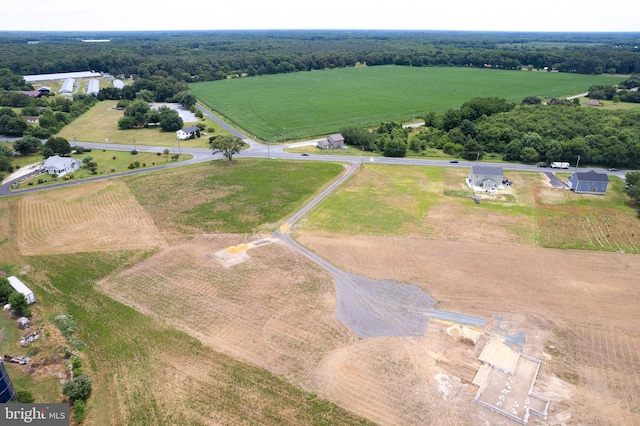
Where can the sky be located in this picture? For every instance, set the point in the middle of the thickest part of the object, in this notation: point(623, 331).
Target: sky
point(469, 15)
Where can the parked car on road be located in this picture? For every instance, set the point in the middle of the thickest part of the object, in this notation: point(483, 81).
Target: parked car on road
point(453, 161)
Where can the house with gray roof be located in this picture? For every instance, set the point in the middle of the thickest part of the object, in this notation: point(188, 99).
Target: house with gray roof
point(590, 182)
point(485, 177)
point(333, 141)
point(187, 132)
point(56, 165)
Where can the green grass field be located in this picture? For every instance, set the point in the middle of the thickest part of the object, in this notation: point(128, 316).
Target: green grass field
point(400, 206)
point(239, 196)
point(292, 106)
point(109, 162)
point(101, 122)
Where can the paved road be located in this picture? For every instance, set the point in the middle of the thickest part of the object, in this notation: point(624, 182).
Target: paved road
point(370, 308)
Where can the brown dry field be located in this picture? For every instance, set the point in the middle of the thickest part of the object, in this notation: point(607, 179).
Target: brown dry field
point(579, 309)
point(102, 217)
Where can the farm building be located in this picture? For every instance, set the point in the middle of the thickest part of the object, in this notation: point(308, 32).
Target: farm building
point(60, 76)
point(334, 141)
point(61, 165)
point(21, 288)
point(590, 182)
point(118, 84)
point(186, 133)
point(32, 93)
point(93, 87)
point(67, 86)
point(485, 177)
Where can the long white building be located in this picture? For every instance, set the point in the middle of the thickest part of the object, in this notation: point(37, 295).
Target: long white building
point(60, 76)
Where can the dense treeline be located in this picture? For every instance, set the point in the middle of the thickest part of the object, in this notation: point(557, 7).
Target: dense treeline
point(213, 55)
point(529, 133)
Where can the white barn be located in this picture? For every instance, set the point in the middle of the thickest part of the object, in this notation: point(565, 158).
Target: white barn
point(23, 289)
point(67, 86)
point(93, 87)
point(61, 165)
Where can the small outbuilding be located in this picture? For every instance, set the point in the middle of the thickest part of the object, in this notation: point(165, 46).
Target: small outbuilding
point(485, 177)
point(590, 182)
point(23, 323)
point(187, 132)
point(21, 288)
point(56, 165)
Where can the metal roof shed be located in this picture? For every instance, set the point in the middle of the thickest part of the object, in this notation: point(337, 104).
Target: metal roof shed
point(21, 288)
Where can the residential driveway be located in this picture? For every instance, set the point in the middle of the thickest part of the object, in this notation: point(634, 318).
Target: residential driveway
point(555, 182)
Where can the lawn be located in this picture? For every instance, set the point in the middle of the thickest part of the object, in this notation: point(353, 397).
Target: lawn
point(303, 104)
point(101, 123)
point(109, 162)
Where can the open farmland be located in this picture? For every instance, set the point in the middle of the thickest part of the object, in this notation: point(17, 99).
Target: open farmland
point(292, 106)
point(177, 336)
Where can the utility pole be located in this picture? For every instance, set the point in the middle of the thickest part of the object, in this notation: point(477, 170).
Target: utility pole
point(577, 162)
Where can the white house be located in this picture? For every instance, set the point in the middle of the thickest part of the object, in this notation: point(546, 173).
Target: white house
point(485, 177)
point(23, 289)
point(186, 133)
point(61, 165)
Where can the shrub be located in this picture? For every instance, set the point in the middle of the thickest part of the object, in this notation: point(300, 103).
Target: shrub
point(113, 158)
point(19, 304)
point(78, 389)
point(79, 411)
point(76, 367)
point(25, 396)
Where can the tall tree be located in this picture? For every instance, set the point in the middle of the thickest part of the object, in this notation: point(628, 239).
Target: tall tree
point(27, 145)
point(58, 145)
point(227, 145)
